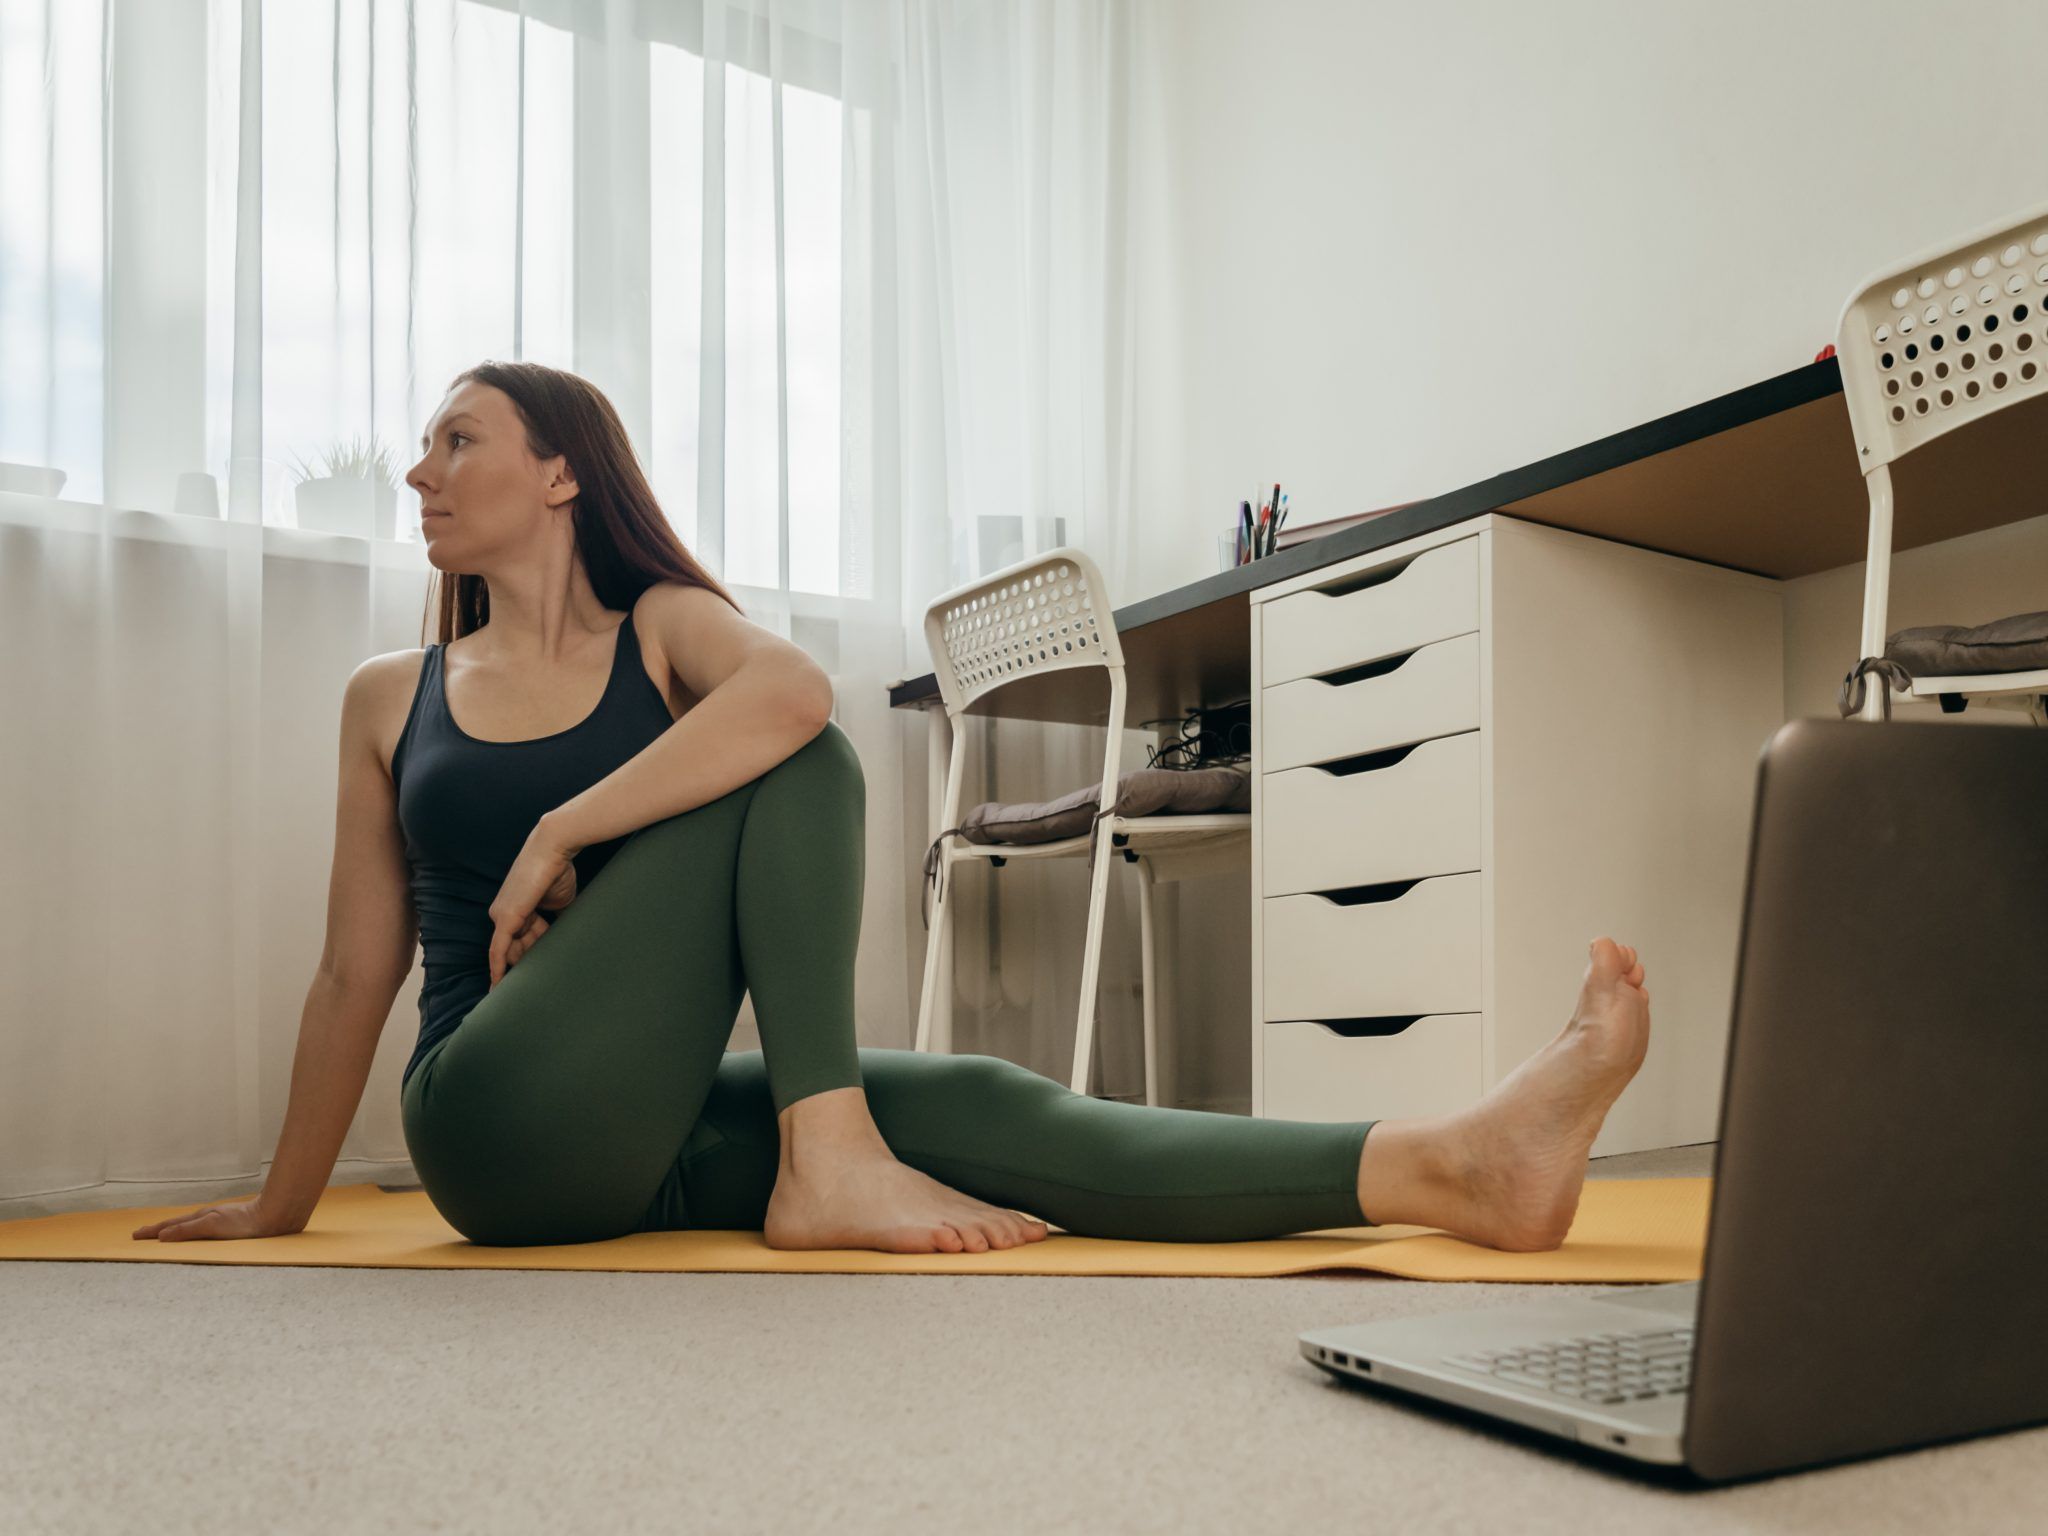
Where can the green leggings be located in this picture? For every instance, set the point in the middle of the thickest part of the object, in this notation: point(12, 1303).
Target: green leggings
point(590, 1094)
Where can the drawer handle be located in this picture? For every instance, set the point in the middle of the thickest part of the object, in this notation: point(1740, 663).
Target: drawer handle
point(1358, 895)
point(1352, 1029)
point(1365, 670)
point(1380, 577)
point(1387, 757)
point(1366, 762)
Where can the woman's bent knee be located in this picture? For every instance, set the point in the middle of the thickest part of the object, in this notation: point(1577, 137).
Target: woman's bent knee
point(502, 1214)
point(829, 755)
point(502, 1187)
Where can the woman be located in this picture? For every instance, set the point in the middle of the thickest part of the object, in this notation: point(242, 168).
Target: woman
point(697, 835)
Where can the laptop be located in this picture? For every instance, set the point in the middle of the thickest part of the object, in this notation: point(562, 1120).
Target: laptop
point(1878, 1234)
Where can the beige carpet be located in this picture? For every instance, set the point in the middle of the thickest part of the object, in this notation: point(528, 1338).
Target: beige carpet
point(169, 1398)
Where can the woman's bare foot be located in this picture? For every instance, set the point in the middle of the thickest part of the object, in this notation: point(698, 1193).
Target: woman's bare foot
point(1507, 1172)
point(874, 1201)
point(839, 1186)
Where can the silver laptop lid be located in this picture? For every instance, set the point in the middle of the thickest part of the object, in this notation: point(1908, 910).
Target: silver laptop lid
point(1879, 1229)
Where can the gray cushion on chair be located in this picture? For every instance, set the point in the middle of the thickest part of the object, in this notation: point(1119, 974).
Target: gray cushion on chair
point(1141, 792)
point(2017, 644)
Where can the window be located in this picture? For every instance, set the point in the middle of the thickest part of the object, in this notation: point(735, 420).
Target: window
point(404, 240)
point(756, 541)
point(363, 284)
point(51, 227)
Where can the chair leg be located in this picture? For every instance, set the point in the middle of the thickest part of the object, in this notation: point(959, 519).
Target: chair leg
point(1150, 968)
point(1091, 958)
point(1877, 577)
point(942, 773)
point(942, 1005)
point(938, 975)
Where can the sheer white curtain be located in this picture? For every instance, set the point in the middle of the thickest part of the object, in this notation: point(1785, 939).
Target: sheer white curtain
point(853, 274)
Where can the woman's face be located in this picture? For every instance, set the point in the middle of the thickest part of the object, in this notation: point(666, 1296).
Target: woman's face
point(484, 497)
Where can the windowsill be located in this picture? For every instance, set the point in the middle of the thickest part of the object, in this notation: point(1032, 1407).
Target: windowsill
point(53, 514)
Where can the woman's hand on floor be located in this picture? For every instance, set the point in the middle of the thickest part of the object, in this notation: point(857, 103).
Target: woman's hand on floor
point(543, 876)
point(243, 1218)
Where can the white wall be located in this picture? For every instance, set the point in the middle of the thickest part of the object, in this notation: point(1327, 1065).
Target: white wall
point(1395, 248)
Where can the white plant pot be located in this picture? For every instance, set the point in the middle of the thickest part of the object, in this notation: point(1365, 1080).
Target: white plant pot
point(351, 504)
point(198, 495)
point(31, 479)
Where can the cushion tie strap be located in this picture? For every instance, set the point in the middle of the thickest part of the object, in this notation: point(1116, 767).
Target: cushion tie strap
point(1849, 698)
point(934, 871)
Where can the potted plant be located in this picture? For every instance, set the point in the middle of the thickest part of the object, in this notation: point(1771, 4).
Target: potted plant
point(356, 493)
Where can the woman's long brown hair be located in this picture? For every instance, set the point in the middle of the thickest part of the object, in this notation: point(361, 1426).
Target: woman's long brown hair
point(622, 535)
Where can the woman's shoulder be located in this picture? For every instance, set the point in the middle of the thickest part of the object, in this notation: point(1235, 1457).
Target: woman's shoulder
point(379, 697)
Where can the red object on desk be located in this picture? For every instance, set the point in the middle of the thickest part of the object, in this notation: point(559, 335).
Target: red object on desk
point(1824, 353)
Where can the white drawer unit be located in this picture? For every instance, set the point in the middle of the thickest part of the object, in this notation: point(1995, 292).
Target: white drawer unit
point(1367, 820)
point(1385, 609)
point(1314, 1071)
point(1411, 696)
point(1381, 950)
point(1479, 750)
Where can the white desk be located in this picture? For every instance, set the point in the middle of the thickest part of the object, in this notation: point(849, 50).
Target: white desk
point(1647, 695)
point(1475, 751)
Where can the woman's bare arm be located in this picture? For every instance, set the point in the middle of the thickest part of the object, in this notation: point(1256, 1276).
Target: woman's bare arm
point(372, 935)
point(368, 953)
point(760, 698)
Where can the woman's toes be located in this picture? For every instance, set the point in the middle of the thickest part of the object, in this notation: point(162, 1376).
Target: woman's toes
point(971, 1236)
point(1604, 962)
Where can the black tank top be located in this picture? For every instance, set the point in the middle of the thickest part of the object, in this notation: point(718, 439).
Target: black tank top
point(466, 808)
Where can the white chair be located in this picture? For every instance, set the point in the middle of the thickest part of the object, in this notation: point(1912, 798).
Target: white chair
point(1927, 346)
point(1052, 613)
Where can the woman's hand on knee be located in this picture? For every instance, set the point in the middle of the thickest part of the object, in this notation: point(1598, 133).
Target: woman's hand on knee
point(542, 877)
point(519, 944)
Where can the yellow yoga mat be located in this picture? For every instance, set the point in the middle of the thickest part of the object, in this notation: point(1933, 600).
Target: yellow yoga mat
point(1626, 1229)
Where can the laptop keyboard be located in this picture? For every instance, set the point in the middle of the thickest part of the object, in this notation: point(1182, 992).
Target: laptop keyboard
point(1599, 1367)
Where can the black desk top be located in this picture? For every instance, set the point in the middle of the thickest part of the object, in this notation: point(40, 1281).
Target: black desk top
point(1764, 479)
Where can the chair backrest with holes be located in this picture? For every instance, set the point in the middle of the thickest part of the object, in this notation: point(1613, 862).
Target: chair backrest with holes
point(1041, 615)
point(1945, 339)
